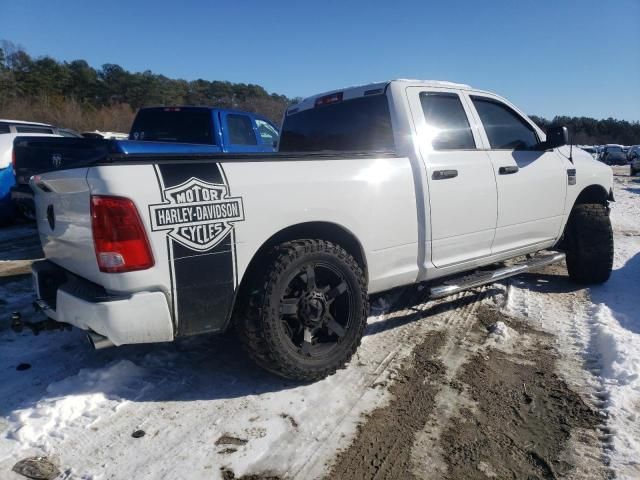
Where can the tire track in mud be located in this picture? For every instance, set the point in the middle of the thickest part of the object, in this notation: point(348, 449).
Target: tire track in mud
point(558, 306)
point(522, 414)
point(382, 447)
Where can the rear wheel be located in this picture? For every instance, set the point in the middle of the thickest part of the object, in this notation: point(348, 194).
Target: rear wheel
point(589, 244)
point(308, 318)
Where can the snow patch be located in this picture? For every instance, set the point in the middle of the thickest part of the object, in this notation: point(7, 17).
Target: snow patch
point(500, 332)
point(79, 400)
point(620, 353)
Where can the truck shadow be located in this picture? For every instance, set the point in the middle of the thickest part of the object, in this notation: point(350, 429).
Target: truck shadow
point(414, 305)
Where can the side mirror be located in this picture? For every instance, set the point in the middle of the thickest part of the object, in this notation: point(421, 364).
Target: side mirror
point(556, 137)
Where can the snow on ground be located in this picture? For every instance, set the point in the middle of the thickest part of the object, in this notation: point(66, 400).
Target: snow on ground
point(200, 401)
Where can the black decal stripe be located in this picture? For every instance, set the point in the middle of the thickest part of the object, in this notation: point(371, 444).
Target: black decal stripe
point(204, 280)
point(236, 280)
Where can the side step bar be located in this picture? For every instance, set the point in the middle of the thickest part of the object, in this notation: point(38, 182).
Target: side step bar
point(477, 279)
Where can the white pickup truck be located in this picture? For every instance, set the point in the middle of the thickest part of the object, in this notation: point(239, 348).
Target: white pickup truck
point(374, 187)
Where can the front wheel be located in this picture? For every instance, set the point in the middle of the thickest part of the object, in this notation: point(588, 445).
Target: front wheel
point(309, 315)
point(589, 245)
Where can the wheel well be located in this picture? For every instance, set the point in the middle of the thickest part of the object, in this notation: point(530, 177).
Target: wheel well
point(590, 194)
point(593, 194)
point(317, 230)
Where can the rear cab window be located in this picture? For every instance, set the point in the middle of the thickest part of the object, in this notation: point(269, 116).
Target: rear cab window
point(360, 124)
point(179, 125)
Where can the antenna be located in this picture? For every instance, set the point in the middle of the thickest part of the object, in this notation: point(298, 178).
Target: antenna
point(570, 147)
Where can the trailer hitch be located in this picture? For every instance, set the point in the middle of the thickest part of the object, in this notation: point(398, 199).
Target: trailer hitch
point(18, 325)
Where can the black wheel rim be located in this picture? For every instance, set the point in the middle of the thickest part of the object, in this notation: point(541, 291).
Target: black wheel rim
point(316, 309)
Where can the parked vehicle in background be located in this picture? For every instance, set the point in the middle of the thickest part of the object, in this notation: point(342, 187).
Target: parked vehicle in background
point(634, 159)
point(374, 187)
point(633, 153)
point(107, 135)
point(9, 130)
point(164, 130)
point(225, 130)
point(614, 155)
point(590, 150)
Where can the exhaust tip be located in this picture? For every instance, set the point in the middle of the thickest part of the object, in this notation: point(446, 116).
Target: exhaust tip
point(98, 341)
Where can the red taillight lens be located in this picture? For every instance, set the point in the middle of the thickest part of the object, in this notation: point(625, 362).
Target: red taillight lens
point(118, 235)
point(329, 99)
point(13, 160)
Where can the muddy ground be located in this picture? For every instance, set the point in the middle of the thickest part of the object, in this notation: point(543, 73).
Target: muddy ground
point(516, 421)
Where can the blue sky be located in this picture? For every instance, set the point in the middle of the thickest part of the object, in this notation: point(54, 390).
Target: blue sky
point(547, 56)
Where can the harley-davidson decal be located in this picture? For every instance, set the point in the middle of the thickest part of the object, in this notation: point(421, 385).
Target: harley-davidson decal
point(199, 215)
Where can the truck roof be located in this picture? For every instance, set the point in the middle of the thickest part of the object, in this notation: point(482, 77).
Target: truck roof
point(201, 107)
point(22, 122)
point(356, 91)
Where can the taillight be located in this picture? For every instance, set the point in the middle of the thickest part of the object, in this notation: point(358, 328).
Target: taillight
point(118, 235)
point(13, 160)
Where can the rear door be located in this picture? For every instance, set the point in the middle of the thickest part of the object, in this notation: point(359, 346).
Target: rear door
point(531, 183)
point(239, 133)
point(460, 178)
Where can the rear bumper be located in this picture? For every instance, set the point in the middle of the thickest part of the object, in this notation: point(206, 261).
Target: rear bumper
point(141, 317)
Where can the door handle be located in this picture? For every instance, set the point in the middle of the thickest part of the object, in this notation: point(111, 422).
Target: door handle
point(508, 170)
point(444, 174)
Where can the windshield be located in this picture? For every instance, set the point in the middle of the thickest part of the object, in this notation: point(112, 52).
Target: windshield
point(173, 125)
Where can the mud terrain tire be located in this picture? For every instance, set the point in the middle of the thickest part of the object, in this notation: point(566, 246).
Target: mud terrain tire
point(263, 326)
point(589, 246)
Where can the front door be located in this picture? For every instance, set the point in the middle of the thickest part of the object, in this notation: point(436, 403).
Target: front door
point(531, 183)
point(461, 182)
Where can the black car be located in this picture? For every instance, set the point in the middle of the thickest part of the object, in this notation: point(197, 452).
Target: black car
point(614, 155)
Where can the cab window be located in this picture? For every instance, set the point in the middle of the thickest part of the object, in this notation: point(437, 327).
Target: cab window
point(447, 124)
point(268, 134)
point(505, 129)
point(33, 129)
point(240, 130)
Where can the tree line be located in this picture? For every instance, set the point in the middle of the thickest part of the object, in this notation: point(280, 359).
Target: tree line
point(76, 95)
point(589, 131)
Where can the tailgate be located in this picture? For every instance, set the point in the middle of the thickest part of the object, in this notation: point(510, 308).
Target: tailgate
point(64, 220)
point(36, 155)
